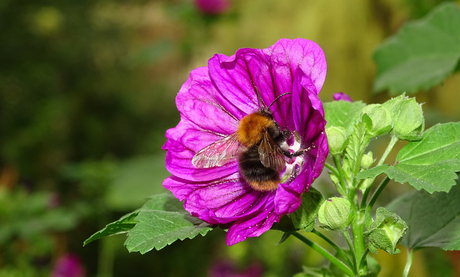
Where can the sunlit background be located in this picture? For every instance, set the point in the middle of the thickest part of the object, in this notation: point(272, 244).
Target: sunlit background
point(87, 92)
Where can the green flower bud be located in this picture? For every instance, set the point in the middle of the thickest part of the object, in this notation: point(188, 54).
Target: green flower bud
point(407, 115)
point(367, 160)
point(336, 138)
point(386, 232)
point(378, 119)
point(336, 214)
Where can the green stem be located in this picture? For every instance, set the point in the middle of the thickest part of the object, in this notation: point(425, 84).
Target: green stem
point(365, 195)
point(362, 262)
point(335, 246)
point(325, 254)
point(341, 176)
point(377, 193)
point(331, 168)
point(357, 227)
point(381, 161)
point(350, 245)
point(410, 258)
point(390, 146)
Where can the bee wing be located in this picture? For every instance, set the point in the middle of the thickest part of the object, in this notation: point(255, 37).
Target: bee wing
point(218, 153)
point(270, 153)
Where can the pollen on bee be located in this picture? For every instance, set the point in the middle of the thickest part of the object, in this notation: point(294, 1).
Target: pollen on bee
point(252, 128)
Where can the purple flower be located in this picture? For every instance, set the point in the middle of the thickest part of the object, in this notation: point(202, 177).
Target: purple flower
point(212, 103)
point(229, 269)
point(68, 265)
point(342, 96)
point(212, 6)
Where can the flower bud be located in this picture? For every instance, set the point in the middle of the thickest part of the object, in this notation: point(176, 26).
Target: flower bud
point(342, 96)
point(378, 119)
point(367, 160)
point(407, 115)
point(336, 214)
point(386, 232)
point(336, 138)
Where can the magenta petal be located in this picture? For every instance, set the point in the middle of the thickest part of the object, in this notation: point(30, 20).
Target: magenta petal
point(308, 109)
point(234, 78)
point(252, 226)
point(204, 106)
point(183, 142)
point(299, 53)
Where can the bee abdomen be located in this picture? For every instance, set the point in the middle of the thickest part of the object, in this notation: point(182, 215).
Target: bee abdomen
point(256, 174)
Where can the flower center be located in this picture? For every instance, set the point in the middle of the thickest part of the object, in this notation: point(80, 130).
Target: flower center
point(293, 164)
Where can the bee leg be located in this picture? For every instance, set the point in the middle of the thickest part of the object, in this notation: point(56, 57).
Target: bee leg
point(297, 153)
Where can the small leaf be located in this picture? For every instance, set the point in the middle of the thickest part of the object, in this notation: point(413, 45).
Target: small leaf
point(121, 226)
point(304, 217)
point(356, 146)
point(343, 114)
point(433, 219)
point(422, 54)
point(285, 236)
point(162, 221)
point(430, 163)
point(371, 173)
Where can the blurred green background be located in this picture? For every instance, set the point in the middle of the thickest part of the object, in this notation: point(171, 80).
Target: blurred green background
point(87, 92)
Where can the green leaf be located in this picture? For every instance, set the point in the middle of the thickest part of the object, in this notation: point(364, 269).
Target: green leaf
point(433, 219)
point(430, 163)
point(371, 173)
point(121, 226)
point(343, 114)
point(304, 217)
point(356, 146)
point(422, 54)
point(162, 221)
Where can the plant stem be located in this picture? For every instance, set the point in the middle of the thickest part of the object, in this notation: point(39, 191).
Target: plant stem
point(331, 168)
point(381, 161)
point(363, 258)
point(350, 245)
point(410, 258)
point(390, 146)
point(341, 176)
point(325, 254)
point(335, 246)
point(357, 227)
point(377, 193)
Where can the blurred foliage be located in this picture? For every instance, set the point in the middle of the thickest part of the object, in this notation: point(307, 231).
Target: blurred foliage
point(87, 92)
point(73, 87)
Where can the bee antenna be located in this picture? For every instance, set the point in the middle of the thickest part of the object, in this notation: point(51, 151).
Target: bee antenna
point(278, 98)
point(261, 102)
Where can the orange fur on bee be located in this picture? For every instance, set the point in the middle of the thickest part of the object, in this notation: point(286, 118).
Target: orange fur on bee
point(265, 185)
point(252, 127)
